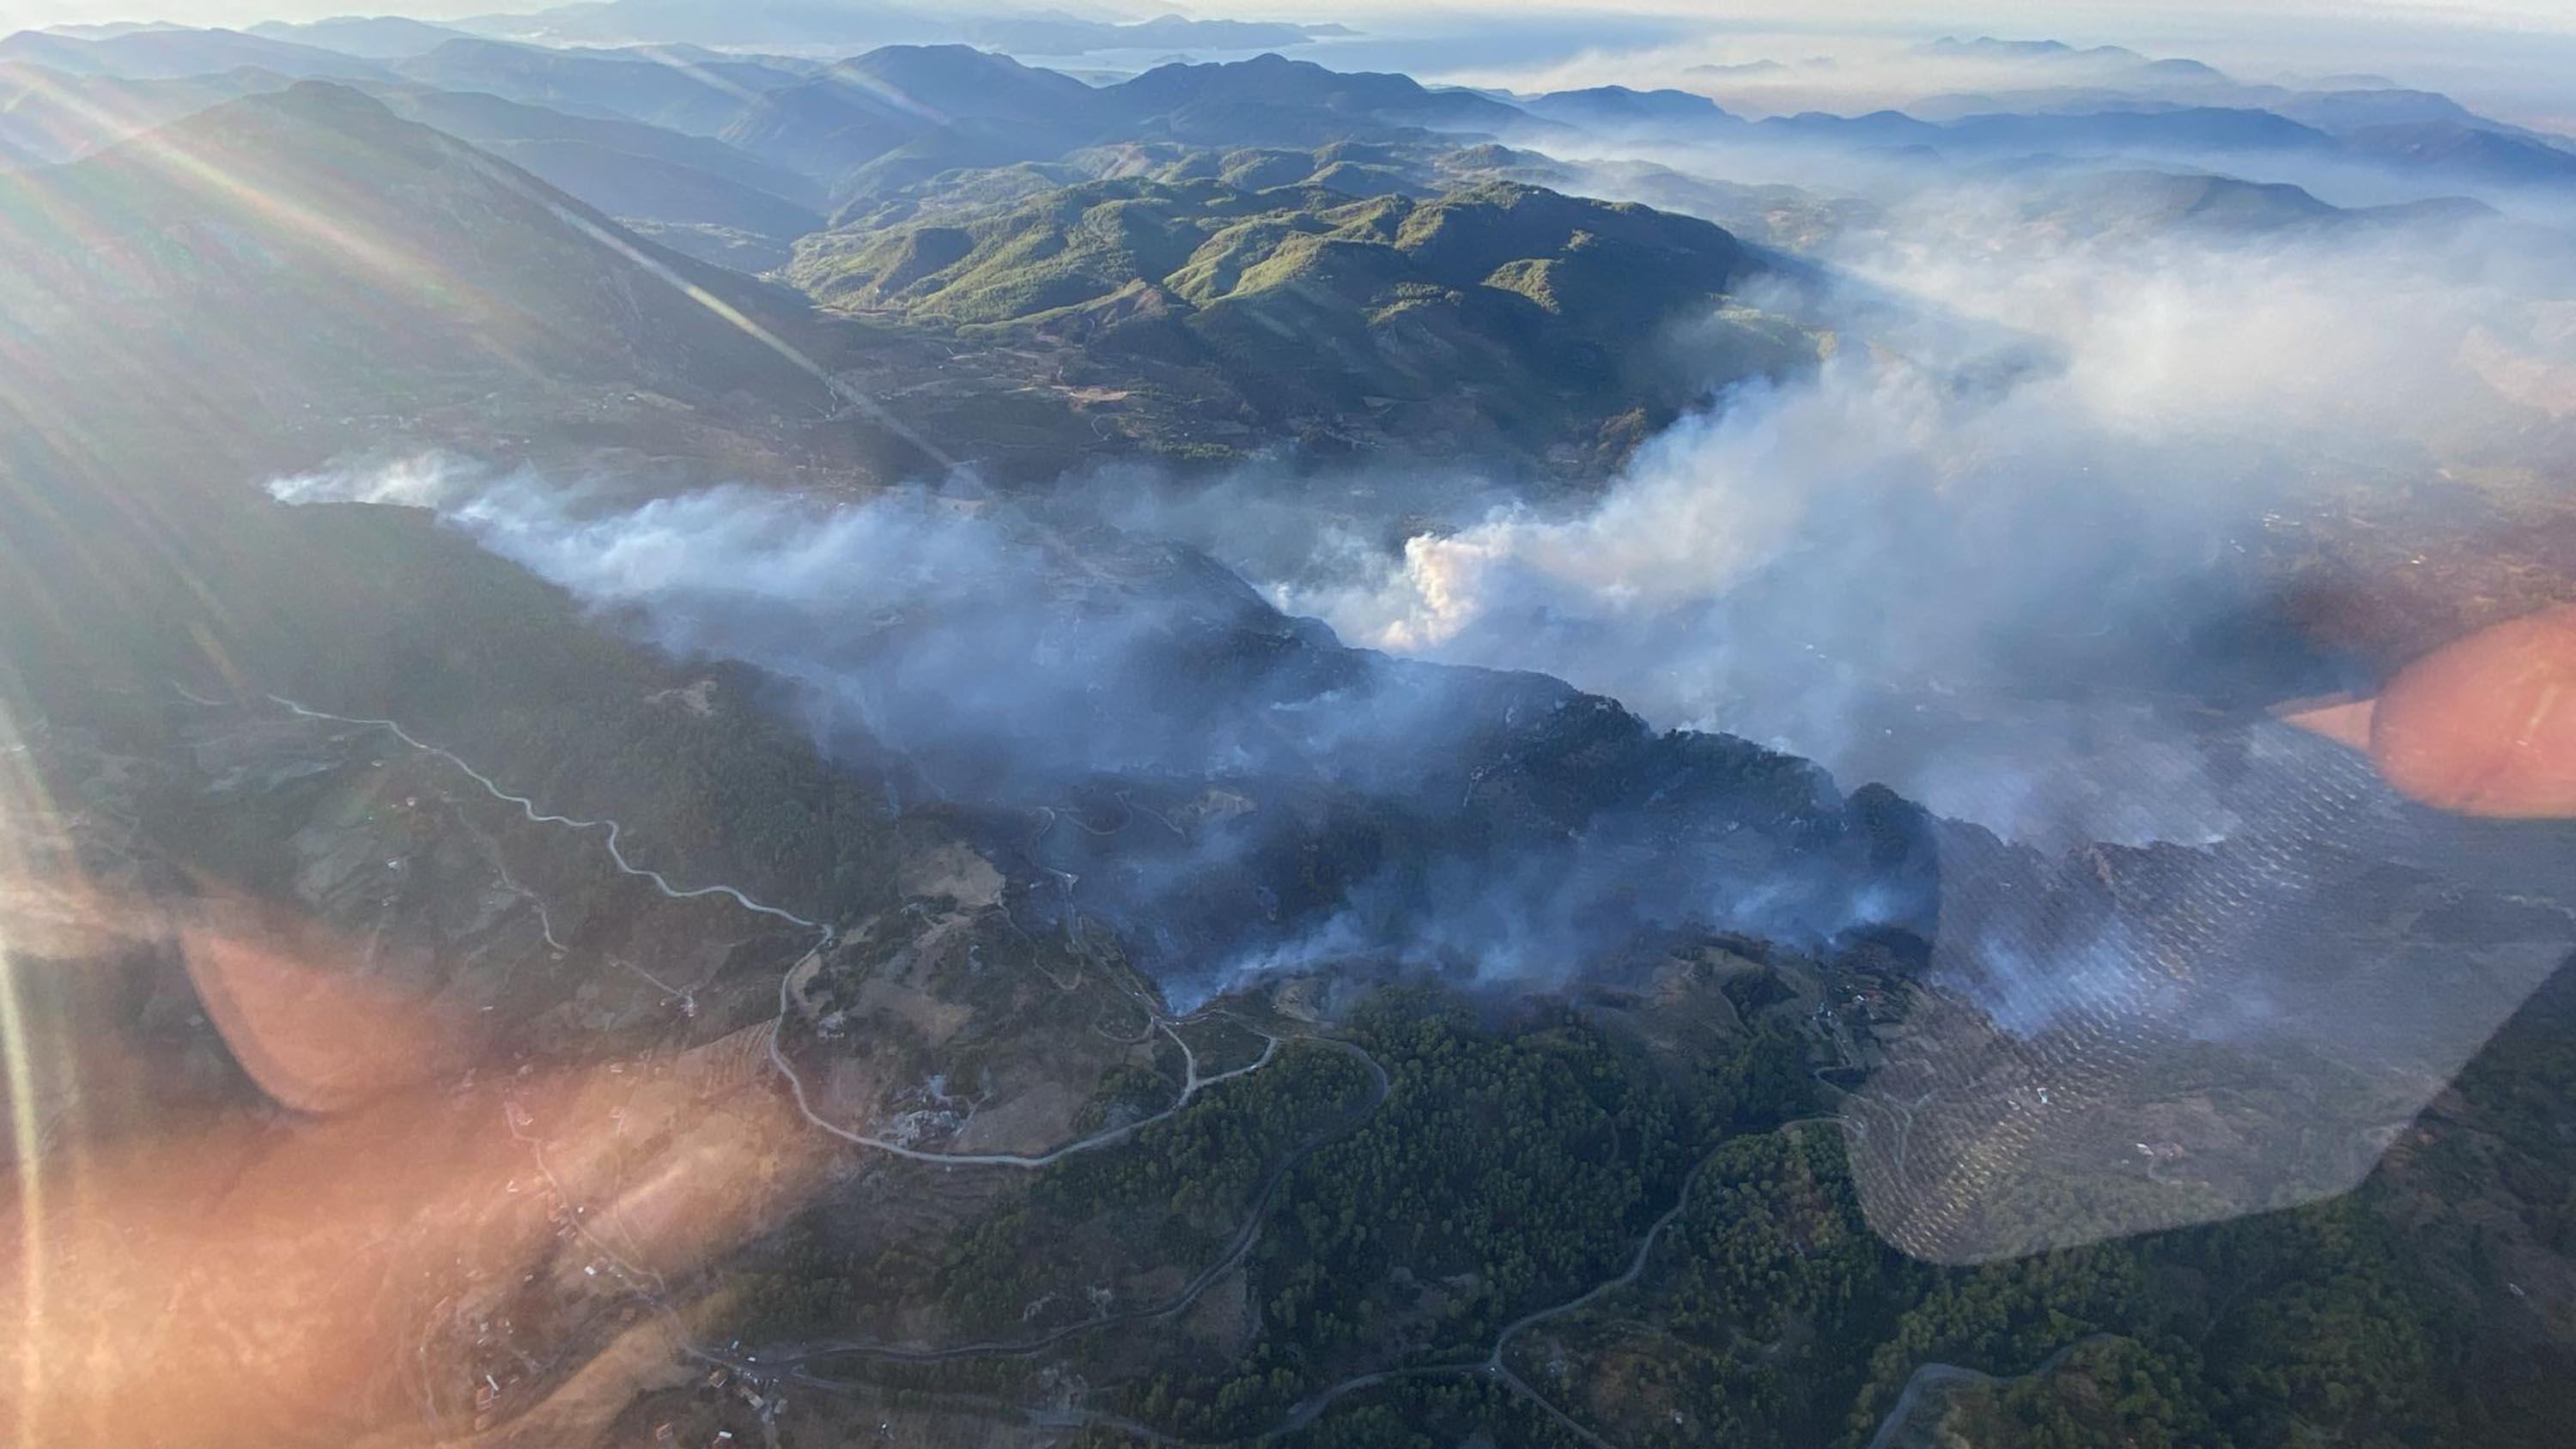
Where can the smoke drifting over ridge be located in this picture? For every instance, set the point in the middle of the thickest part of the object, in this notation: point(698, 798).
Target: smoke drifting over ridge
point(1230, 788)
point(1987, 555)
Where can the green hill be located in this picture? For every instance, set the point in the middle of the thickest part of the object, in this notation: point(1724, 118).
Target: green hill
point(1501, 309)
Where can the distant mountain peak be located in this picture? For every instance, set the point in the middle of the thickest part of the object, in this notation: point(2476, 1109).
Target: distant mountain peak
point(1992, 46)
point(1623, 108)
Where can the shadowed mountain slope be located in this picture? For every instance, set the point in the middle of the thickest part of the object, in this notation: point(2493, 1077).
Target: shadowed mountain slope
point(308, 245)
point(166, 54)
point(684, 93)
point(53, 115)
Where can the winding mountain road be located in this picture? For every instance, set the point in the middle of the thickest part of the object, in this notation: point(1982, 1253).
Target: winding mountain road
point(613, 833)
point(793, 1358)
point(536, 815)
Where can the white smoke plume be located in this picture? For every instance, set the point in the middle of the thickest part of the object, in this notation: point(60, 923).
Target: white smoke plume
point(1948, 559)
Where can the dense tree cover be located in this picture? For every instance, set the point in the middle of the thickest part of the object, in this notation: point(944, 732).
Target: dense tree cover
point(1175, 1193)
point(1513, 1166)
point(1761, 1285)
point(1772, 1234)
point(1788, 1313)
point(1771, 1315)
point(2107, 1391)
point(1434, 1412)
point(804, 1285)
point(1517, 1162)
point(1509, 1168)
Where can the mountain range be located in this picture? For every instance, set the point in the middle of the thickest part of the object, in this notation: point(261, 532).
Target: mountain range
point(802, 140)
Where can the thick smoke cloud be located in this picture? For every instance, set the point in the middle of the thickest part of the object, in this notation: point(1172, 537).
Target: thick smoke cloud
point(2018, 548)
point(1231, 788)
point(2022, 556)
point(2010, 557)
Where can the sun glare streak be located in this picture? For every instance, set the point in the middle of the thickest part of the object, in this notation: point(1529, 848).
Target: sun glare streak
point(384, 260)
point(162, 147)
point(20, 1082)
point(735, 317)
point(870, 86)
point(663, 56)
point(21, 805)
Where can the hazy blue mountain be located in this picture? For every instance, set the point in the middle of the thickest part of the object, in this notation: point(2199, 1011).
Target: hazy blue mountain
point(2351, 110)
point(1619, 109)
point(309, 244)
point(2180, 68)
point(1060, 34)
point(496, 124)
point(105, 29)
point(1876, 128)
point(1298, 100)
point(623, 167)
point(819, 24)
point(2216, 207)
point(823, 126)
point(150, 54)
point(2471, 153)
point(954, 82)
point(2448, 153)
point(2198, 128)
point(901, 114)
point(795, 24)
point(841, 118)
point(1987, 47)
point(650, 188)
point(2336, 112)
point(682, 93)
point(378, 37)
point(49, 116)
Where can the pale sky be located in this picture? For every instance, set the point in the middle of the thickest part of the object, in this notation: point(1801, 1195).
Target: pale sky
point(2025, 18)
point(2515, 58)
